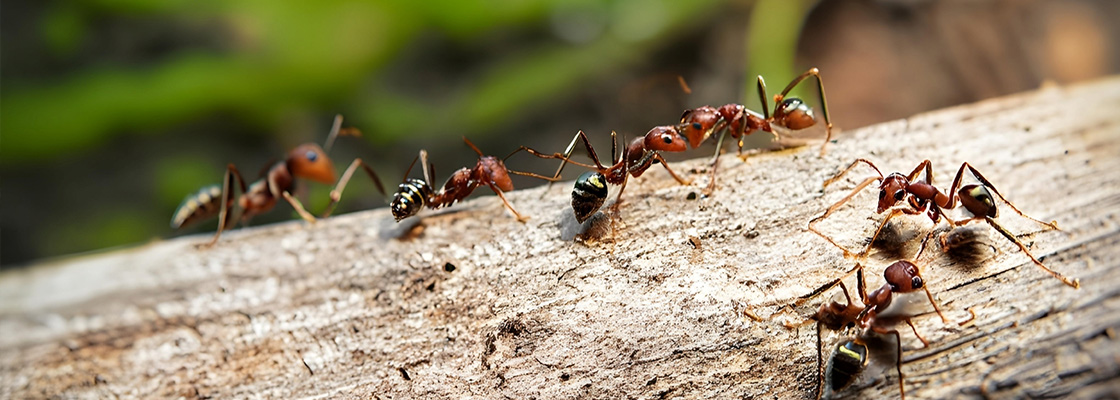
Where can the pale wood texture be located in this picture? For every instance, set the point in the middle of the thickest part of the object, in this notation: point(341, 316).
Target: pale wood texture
point(472, 304)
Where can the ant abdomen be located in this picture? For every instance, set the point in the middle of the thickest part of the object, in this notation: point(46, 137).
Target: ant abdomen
point(588, 195)
point(977, 200)
point(203, 204)
point(411, 196)
point(845, 365)
point(795, 114)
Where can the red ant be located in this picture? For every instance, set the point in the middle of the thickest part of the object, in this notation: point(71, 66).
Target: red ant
point(414, 194)
point(905, 194)
point(634, 160)
point(851, 356)
point(308, 161)
point(699, 124)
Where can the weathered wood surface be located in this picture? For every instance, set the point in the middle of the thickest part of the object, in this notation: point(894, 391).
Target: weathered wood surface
point(472, 304)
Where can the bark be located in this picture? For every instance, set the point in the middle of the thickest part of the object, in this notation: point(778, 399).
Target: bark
point(656, 302)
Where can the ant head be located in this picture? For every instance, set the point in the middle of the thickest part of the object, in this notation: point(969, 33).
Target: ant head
point(794, 114)
point(696, 124)
point(903, 276)
point(892, 190)
point(310, 162)
point(665, 138)
point(977, 200)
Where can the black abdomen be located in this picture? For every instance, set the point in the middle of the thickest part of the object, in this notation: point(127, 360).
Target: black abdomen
point(588, 195)
point(410, 198)
point(846, 364)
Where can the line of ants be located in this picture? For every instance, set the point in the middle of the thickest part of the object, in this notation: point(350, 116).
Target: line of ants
point(899, 194)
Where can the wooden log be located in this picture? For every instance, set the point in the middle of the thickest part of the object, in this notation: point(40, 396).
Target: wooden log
point(469, 303)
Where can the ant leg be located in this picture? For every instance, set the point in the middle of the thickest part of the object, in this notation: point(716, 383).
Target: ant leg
point(427, 166)
point(335, 128)
point(965, 322)
point(520, 218)
point(336, 193)
point(824, 102)
point(227, 197)
point(834, 207)
point(1074, 283)
point(665, 164)
point(534, 175)
point(837, 177)
point(715, 165)
point(927, 166)
point(820, 357)
point(571, 147)
point(935, 306)
point(898, 359)
point(925, 343)
point(893, 213)
point(1051, 224)
point(762, 98)
point(298, 206)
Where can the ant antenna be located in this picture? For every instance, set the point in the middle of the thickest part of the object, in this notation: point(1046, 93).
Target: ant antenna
point(476, 150)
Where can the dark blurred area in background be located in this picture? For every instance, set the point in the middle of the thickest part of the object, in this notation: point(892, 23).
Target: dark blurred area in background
point(113, 111)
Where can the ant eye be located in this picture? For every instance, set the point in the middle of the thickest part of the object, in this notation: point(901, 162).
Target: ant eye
point(697, 126)
point(916, 282)
point(312, 156)
point(898, 195)
point(667, 138)
point(882, 194)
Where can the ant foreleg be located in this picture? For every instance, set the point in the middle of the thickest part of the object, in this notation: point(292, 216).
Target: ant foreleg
point(497, 191)
point(665, 164)
point(837, 177)
point(336, 193)
point(837, 205)
point(298, 206)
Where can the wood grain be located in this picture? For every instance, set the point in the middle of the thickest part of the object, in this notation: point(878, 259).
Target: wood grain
point(469, 303)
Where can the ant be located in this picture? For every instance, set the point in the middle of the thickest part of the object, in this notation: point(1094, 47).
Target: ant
point(308, 161)
point(736, 120)
point(414, 194)
point(906, 194)
point(637, 157)
point(851, 356)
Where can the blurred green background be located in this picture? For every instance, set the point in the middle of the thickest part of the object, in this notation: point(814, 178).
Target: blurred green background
point(111, 111)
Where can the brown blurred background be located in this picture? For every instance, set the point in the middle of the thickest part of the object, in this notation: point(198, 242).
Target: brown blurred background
point(112, 111)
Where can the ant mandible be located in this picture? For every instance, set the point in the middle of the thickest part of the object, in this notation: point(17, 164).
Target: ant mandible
point(905, 194)
point(414, 194)
point(590, 190)
point(901, 277)
point(698, 124)
point(308, 161)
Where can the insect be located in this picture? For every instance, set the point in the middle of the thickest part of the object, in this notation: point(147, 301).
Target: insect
point(698, 124)
point(906, 194)
point(414, 194)
point(637, 157)
point(307, 161)
point(850, 356)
